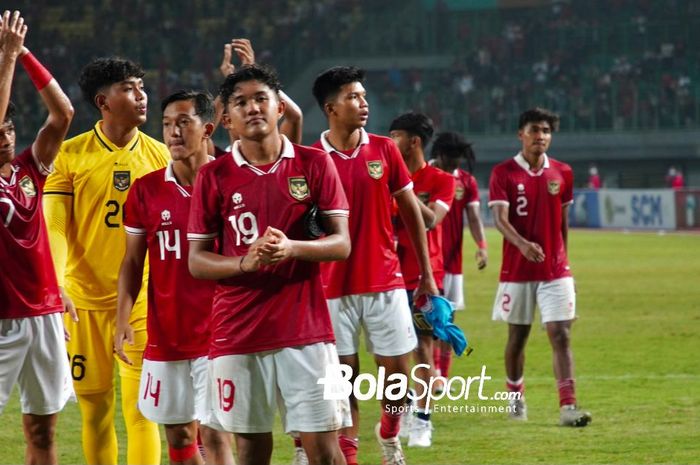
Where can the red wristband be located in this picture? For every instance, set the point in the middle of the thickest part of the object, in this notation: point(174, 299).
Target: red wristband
point(482, 245)
point(39, 75)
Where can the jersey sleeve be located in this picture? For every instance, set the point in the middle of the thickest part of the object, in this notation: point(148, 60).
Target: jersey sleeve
point(444, 191)
point(472, 190)
point(498, 193)
point(568, 194)
point(205, 220)
point(59, 182)
point(399, 178)
point(326, 189)
point(133, 210)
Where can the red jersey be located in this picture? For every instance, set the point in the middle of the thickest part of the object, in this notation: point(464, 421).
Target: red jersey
point(430, 185)
point(281, 305)
point(466, 193)
point(28, 287)
point(535, 201)
point(179, 306)
point(371, 174)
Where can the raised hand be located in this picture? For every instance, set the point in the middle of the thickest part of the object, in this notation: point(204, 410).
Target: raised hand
point(245, 53)
point(12, 33)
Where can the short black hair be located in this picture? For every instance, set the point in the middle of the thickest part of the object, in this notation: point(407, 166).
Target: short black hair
point(203, 103)
point(453, 145)
point(328, 83)
point(416, 124)
point(534, 115)
point(102, 72)
point(255, 72)
point(10, 112)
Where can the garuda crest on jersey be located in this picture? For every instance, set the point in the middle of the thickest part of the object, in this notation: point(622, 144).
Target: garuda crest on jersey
point(27, 186)
point(375, 169)
point(553, 187)
point(459, 193)
point(122, 180)
point(298, 188)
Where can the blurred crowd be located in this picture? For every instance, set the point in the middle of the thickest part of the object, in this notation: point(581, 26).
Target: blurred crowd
point(603, 64)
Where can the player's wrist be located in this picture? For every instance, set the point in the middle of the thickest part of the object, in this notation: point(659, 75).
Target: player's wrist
point(38, 74)
point(482, 245)
point(240, 265)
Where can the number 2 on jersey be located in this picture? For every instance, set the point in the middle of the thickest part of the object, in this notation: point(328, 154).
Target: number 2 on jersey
point(246, 228)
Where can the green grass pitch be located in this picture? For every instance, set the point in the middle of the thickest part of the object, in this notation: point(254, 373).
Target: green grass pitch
point(637, 366)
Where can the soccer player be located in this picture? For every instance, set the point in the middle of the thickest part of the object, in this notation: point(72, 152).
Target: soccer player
point(83, 203)
point(448, 152)
point(292, 120)
point(174, 375)
point(272, 337)
point(367, 290)
point(32, 345)
point(530, 196)
point(435, 190)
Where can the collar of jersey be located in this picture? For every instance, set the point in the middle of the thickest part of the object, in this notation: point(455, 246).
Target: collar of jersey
point(108, 144)
point(13, 178)
point(170, 177)
point(287, 152)
point(328, 148)
point(520, 160)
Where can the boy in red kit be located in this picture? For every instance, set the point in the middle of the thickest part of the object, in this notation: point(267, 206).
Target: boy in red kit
point(272, 337)
point(174, 375)
point(435, 189)
point(32, 344)
point(530, 196)
point(448, 152)
point(367, 291)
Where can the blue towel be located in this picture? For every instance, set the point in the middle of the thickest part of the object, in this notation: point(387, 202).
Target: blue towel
point(438, 312)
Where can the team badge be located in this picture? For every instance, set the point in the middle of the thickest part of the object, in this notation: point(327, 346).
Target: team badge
point(376, 169)
point(27, 185)
point(165, 215)
point(459, 193)
point(553, 187)
point(298, 187)
point(122, 180)
point(423, 197)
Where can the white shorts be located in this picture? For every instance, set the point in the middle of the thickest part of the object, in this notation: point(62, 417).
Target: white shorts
point(384, 316)
point(453, 289)
point(515, 302)
point(33, 355)
point(173, 393)
point(245, 390)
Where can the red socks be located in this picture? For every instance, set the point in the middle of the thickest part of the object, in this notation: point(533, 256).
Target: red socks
point(349, 448)
point(567, 392)
point(516, 386)
point(390, 425)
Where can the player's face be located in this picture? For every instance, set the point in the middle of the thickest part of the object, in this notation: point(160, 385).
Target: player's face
point(7, 142)
point(403, 141)
point(535, 137)
point(125, 102)
point(254, 110)
point(350, 108)
point(184, 132)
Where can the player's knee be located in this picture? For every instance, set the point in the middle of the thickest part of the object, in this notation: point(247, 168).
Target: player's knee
point(560, 336)
point(180, 436)
point(213, 439)
point(40, 436)
point(326, 456)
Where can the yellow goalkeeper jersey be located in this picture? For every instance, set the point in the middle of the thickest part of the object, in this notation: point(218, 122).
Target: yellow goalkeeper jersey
point(84, 203)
